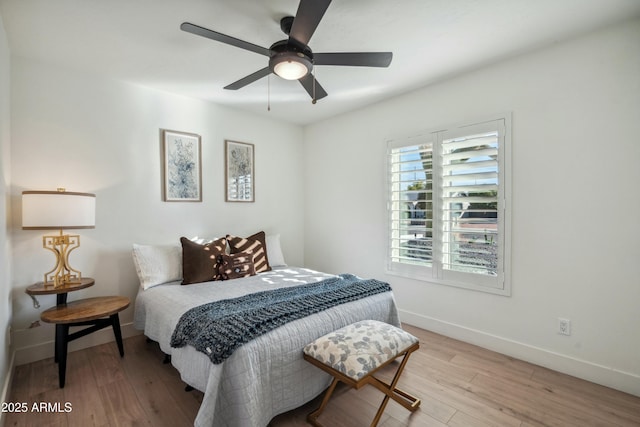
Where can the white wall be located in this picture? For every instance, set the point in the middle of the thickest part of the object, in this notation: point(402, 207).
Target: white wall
point(575, 230)
point(5, 241)
point(90, 134)
point(576, 233)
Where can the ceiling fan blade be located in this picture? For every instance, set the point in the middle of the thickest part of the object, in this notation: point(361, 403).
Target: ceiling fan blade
point(249, 79)
point(308, 16)
point(223, 38)
point(354, 59)
point(311, 85)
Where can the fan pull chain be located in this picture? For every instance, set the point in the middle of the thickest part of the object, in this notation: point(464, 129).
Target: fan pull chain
point(313, 98)
point(269, 93)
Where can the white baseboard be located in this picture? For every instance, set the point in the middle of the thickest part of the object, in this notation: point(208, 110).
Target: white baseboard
point(599, 374)
point(45, 349)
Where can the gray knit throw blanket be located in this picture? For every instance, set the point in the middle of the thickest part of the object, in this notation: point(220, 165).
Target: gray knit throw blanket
point(218, 328)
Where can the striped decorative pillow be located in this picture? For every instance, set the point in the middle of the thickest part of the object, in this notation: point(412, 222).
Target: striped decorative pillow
point(255, 244)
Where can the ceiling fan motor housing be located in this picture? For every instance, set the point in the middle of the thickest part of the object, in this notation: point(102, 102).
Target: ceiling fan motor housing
point(285, 52)
point(285, 24)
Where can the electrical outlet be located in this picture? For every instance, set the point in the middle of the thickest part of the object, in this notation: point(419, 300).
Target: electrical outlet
point(564, 326)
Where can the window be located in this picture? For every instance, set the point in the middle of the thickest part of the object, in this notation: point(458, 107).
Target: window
point(448, 216)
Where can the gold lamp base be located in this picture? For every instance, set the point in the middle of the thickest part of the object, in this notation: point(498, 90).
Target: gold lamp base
point(61, 245)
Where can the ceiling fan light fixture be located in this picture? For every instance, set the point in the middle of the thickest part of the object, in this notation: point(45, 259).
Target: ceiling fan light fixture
point(290, 65)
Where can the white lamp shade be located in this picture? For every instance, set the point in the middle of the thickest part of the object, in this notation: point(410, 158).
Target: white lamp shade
point(57, 210)
point(290, 65)
point(290, 70)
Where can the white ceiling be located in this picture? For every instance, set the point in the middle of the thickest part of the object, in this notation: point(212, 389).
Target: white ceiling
point(140, 41)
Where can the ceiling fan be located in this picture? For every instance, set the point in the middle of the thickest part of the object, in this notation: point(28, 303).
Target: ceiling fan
point(293, 59)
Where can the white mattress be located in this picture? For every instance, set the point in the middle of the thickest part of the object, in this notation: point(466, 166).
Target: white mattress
point(266, 376)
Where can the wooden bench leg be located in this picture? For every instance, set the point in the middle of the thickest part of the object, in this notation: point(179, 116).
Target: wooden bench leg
point(312, 417)
point(405, 399)
point(115, 323)
point(62, 340)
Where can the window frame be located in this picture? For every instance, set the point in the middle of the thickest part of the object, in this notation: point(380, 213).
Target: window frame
point(500, 284)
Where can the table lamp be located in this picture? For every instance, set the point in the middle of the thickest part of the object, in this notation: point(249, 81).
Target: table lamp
point(59, 210)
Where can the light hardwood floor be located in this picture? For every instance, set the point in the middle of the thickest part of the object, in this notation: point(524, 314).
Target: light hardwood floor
point(460, 385)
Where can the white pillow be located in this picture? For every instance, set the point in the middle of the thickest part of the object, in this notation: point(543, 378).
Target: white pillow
point(156, 265)
point(200, 240)
point(274, 251)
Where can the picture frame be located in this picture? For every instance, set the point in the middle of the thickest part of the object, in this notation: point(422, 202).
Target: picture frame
point(182, 166)
point(239, 171)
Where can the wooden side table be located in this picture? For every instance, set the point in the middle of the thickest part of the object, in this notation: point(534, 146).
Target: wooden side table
point(97, 313)
point(61, 292)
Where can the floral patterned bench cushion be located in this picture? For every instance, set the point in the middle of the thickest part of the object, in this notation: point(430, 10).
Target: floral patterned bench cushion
point(360, 348)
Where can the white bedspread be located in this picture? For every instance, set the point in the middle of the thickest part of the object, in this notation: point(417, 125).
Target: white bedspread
point(266, 376)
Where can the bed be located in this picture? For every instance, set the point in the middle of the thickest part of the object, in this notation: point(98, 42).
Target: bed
point(266, 376)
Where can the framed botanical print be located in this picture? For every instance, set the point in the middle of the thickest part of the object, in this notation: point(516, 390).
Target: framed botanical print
point(182, 166)
point(239, 172)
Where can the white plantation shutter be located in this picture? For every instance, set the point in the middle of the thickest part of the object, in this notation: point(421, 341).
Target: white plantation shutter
point(472, 200)
point(411, 207)
point(447, 211)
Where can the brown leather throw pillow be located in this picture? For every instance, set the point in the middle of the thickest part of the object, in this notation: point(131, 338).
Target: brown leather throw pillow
point(200, 262)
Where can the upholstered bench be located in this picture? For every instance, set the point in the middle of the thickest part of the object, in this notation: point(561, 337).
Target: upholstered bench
point(354, 353)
